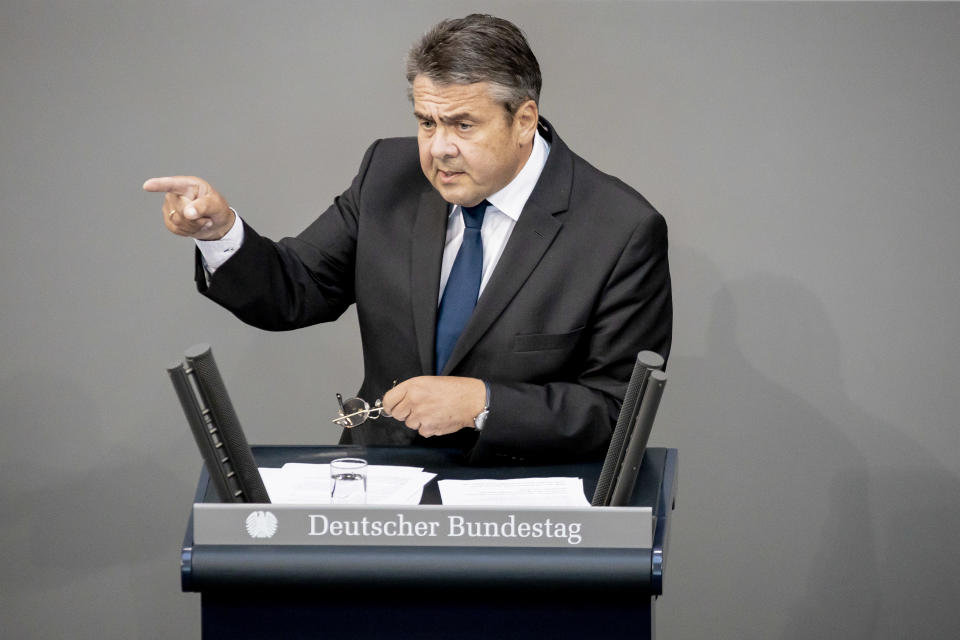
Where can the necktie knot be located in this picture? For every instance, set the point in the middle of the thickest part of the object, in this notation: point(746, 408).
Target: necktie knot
point(473, 216)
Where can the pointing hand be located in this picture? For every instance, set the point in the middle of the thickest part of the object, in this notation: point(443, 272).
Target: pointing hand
point(192, 207)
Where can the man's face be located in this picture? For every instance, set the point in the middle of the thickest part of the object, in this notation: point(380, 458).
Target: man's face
point(470, 148)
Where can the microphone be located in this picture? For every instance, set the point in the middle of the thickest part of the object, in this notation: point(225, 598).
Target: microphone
point(215, 427)
point(647, 361)
point(630, 468)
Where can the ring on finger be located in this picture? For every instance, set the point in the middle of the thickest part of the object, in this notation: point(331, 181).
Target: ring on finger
point(172, 211)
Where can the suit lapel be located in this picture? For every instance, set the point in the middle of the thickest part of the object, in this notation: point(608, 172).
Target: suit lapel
point(529, 241)
point(429, 233)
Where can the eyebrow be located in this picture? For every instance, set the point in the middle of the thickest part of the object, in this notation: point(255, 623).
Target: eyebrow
point(449, 119)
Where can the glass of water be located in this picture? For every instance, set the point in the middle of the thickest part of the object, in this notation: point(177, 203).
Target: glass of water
point(348, 481)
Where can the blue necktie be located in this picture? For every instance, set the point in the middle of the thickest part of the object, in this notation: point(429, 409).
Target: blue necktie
point(463, 285)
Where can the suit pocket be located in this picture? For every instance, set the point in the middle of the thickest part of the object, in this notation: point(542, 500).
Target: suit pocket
point(546, 341)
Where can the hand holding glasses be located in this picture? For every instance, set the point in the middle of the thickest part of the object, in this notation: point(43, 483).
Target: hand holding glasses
point(355, 411)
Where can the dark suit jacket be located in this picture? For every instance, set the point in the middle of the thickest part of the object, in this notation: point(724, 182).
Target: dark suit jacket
point(581, 287)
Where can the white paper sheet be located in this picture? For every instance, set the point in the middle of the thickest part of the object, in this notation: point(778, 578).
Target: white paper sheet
point(516, 492)
point(299, 483)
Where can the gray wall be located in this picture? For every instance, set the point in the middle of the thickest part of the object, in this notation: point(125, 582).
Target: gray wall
point(805, 156)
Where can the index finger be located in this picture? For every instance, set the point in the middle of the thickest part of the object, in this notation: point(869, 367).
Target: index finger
point(180, 185)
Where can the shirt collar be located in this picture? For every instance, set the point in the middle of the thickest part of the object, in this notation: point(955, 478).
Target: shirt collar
point(511, 199)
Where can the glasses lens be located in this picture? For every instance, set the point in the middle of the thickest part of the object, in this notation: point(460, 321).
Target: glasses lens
point(355, 411)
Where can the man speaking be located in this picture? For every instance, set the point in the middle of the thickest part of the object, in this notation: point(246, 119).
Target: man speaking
point(505, 282)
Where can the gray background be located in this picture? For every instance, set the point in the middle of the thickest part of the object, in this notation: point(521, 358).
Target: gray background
point(805, 156)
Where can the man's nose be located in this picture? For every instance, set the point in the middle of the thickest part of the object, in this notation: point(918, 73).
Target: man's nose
point(442, 145)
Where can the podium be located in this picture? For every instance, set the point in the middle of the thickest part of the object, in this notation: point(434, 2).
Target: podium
point(353, 592)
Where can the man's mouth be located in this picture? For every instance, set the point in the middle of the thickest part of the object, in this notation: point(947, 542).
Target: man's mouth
point(448, 176)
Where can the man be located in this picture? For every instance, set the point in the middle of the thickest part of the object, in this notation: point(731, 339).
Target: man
point(503, 280)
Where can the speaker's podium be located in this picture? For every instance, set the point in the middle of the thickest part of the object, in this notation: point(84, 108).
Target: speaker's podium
point(260, 589)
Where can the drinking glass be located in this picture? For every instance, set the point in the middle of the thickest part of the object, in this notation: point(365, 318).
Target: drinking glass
point(348, 481)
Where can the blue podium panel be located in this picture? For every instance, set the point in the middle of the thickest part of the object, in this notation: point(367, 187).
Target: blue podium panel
point(424, 616)
point(433, 592)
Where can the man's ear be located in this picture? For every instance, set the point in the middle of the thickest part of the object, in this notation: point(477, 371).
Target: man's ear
point(525, 119)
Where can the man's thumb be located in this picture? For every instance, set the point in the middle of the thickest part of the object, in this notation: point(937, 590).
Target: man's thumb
point(202, 207)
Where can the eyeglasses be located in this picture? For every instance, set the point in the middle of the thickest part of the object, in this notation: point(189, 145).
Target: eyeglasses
point(355, 411)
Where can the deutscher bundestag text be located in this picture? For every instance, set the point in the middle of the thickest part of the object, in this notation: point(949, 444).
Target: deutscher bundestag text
point(456, 527)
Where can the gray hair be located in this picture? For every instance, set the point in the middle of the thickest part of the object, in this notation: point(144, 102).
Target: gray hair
point(478, 48)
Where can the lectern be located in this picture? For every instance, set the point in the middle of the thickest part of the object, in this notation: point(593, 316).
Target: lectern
point(354, 592)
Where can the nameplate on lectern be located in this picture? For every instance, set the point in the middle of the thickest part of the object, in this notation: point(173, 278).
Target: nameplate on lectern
point(423, 526)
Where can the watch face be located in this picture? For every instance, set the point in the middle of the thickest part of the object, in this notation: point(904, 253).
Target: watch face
point(481, 419)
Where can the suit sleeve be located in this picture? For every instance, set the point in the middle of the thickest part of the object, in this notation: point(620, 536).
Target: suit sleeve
point(296, 282)
point(574, 418)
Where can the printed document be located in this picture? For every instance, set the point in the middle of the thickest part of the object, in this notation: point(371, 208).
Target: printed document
point(300, 483)
point(515, 492)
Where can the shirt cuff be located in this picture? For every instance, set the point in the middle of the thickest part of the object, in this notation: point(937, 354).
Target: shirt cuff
point(216, 252)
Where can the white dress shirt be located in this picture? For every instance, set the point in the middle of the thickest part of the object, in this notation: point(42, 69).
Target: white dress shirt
point(498, 223)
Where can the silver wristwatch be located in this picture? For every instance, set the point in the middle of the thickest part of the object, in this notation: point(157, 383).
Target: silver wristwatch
point(481, 418)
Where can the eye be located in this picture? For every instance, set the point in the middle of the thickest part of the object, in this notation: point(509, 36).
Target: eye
point(464, 126)
point(426, 124)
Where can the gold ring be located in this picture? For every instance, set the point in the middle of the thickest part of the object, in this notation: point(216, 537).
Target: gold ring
point(172, 211)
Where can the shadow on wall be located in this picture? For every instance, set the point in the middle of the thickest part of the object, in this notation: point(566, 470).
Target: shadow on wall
point(803, 509)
